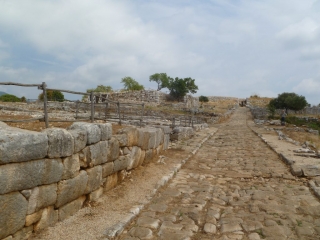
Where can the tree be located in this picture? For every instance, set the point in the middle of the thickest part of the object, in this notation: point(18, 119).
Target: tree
point(180, 87)
point(161, 79)
point(131, 84)
point(53, 95)
point(100, 88)
point(9, 98)
point(23, 99)
point(203, 99)
point(288, 101)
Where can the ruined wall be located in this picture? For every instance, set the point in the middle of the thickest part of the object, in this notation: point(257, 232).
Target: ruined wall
point(47, 176)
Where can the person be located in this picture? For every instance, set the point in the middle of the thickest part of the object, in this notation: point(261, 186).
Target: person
point(283, 118)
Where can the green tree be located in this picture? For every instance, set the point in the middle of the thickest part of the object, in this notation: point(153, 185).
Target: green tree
point(203, 99)
point(180, 87)
point(100, 88)
point(53, 95)
point(9, 98)
point(23, 99)
point(287, 101)
point(161, 79)
point(131, 84)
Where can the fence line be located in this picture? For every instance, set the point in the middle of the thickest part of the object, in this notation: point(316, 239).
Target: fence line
point(121, 111)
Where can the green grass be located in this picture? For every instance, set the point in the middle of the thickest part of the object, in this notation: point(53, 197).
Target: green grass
point(299, 122)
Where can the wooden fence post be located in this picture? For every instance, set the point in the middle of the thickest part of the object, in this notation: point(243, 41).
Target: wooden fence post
point(45, 107)
point(92, 107)
point(142, 113)
point(118, 104)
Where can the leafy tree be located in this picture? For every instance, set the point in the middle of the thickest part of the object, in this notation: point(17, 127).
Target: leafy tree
point(53, 95)
point(9, 98)
point(100, 88)
point(180, 87)
point(203, 99)
point(131, 84)
point(23, 99)
point(288, 101)
point(161, 79)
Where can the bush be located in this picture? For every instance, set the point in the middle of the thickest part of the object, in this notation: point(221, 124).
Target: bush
point(9, 98)
point(203, 99)
point(299, 122)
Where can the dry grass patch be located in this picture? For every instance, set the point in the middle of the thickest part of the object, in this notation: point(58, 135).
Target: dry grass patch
point(303, 137)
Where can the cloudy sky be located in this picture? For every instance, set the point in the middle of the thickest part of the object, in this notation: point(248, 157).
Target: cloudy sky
point(230, 47)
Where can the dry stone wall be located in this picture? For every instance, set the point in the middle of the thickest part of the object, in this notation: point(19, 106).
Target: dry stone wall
point(47, 176)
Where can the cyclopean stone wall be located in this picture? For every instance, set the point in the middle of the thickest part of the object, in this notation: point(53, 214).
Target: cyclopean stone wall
point(47, 176)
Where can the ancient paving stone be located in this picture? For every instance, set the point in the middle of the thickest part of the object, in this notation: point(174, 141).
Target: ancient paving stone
point(141, 233)
point(234, 187)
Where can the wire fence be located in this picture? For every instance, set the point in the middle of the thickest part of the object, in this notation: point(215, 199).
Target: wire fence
point(99, 108)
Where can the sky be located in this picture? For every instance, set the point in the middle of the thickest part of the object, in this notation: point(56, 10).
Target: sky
point(234, 48)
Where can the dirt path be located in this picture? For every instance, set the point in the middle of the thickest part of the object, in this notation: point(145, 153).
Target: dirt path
point(235, 187)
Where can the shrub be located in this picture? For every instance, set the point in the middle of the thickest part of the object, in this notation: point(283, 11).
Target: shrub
point(9, 98)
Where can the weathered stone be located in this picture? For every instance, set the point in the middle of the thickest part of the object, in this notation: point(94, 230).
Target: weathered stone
point(180, 133)
point(310, 170)
point(230, 227)
point(94, 179)
point(254, 236)
point(147, 138)
point(12, 213)
point(134, 157)
point(158, 207)
point(296, 170)
point(71, 166)
point(113, 149)
point(250, 226)
point(71, 189)
point(60, 142)
point(26, 175)
point(150, 154)
point(79, 138)
point(148, 222)
point(111, 182)
point(71, 208)
point(95, 195)
point(42, 197)
point(166, 141)
point(49, 217)
point(24, 233)
point(106, 130)
point(130, 135)
point(92, 130)
point(107, 169)
point(141, 232)
point(33, 218)
point(18, 145)
point(121, 163)
point(94, 154)
point(210, 228)
point(122, 139)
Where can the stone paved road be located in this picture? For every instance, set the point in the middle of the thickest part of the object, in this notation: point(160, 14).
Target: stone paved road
point(235, 187)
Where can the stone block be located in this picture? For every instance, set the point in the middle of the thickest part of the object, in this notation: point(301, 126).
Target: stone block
point(24, 233)
point(60, 142)
point(150, 154)
point(93, 131)
point(95, 195)
point(111, 182)
point(121, 163)
point(12, 213)
point(134, 158)
point(94, 154)
point(80, 139)
point(94, 179)
point(131, 136)
point(166, 141)
point(107, 169)
point(122, 139)
point(71, 189)
point(113, 149)
point(42, 197)
point(106, 130)
point(310, 170)
point(18, 145)
point(33, 218)
point(71, 208)
point(71, 166)
point(26, 175)
point(147, 138)
point(48, 218)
